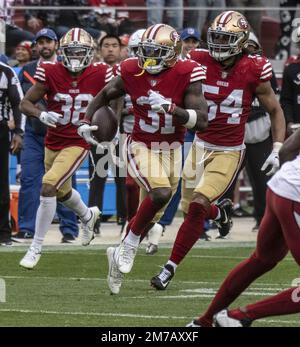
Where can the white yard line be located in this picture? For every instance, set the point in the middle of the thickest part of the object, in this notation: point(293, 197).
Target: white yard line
point(128, 315)
point(284, 285)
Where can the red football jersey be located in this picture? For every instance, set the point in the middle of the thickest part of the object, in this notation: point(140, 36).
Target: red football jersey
point(229, 95)
point(149, 126)
point(70, 96)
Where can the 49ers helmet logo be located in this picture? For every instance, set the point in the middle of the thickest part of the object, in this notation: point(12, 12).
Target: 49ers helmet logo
point(242, 23)
point(174, 36)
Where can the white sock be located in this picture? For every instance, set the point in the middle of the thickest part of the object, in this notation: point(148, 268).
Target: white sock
point(155, 234)
point(44, 217)
point(132, 239)
point(174, 266)
point(76, 204)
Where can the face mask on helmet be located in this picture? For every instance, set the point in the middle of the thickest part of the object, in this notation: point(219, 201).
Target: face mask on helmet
point(223, 45)
point(77, 57)
point(154, 58)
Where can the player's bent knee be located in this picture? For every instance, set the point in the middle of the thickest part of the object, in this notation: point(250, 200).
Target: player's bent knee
point(161, 196)
point(62, 196)
point(201, 199)
point(48, 190)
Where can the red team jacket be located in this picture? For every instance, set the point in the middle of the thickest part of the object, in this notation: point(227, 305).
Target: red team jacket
point(229, 95)
point(150, 126)
point(70, 96)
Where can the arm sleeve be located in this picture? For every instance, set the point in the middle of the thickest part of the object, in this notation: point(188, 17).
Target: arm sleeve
point(15, 95)
point(286, 96)
point(198, 74)
point(109, 74)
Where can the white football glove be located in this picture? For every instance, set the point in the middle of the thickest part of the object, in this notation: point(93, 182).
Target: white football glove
point(84, 130)
point(50, 118)
point(157, 101)
point(273, 159)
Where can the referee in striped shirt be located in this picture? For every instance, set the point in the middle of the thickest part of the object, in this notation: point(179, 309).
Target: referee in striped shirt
point(10, 97)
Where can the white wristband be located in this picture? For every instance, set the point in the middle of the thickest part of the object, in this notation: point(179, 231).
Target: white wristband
point(277, 146)
point(192, 119)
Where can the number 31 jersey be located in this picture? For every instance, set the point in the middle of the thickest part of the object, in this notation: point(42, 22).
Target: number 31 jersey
point(69, 96)
point(229, 95)
point(151, 127)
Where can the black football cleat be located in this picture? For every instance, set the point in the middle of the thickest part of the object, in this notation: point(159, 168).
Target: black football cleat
point(162, 280)
point(224, 223)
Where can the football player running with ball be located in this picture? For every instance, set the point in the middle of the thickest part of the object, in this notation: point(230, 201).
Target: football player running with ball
point(233, 80)
point(167, 99)
point(68, 86)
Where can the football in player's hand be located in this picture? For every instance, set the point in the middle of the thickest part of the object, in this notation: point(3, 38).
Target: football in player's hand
point(107, 123)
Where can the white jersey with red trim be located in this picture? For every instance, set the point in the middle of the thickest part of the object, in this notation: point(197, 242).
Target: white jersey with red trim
point(229, 94)
point(286, 181)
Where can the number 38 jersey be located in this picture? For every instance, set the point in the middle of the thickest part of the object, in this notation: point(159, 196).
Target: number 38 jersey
point(229, 95)
point(151, 127)
point(69, 96)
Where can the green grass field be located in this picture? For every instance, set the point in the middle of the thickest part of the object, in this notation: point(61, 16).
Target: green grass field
point(68, 288)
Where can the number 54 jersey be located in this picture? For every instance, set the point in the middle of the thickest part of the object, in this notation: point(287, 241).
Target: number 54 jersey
point(229, 95)
point(69, 96)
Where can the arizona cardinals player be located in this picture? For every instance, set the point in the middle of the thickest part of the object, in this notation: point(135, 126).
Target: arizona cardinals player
point(279, 233)
point(69, 87)
point(167, 99)
point(233, 79)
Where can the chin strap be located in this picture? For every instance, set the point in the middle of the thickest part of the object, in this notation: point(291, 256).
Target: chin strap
point(148, 62)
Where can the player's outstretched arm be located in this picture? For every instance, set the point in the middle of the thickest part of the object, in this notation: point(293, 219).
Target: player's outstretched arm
point(267, 97)
point(113, 90)
point(194, 116)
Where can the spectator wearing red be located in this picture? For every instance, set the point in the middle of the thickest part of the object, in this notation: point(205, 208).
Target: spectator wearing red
point(23, 53)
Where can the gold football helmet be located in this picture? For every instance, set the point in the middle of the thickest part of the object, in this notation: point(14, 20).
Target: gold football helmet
point(227, 35)
point(77, 49)
point(159, 48)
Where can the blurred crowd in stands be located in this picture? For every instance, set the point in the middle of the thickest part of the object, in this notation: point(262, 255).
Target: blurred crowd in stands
point(104, 18)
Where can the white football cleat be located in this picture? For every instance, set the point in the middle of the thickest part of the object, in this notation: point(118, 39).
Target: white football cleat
point(115, 276)
point(124, 256)
point(88, 227)
point(222, 319)
point(31, 258)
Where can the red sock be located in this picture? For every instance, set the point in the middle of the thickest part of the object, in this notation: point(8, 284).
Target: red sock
point(213, 212)
point(287, 302)
point(144, 215)
point(235, 283)
point(132, 196)
point(189, 232)
point(237, 314)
